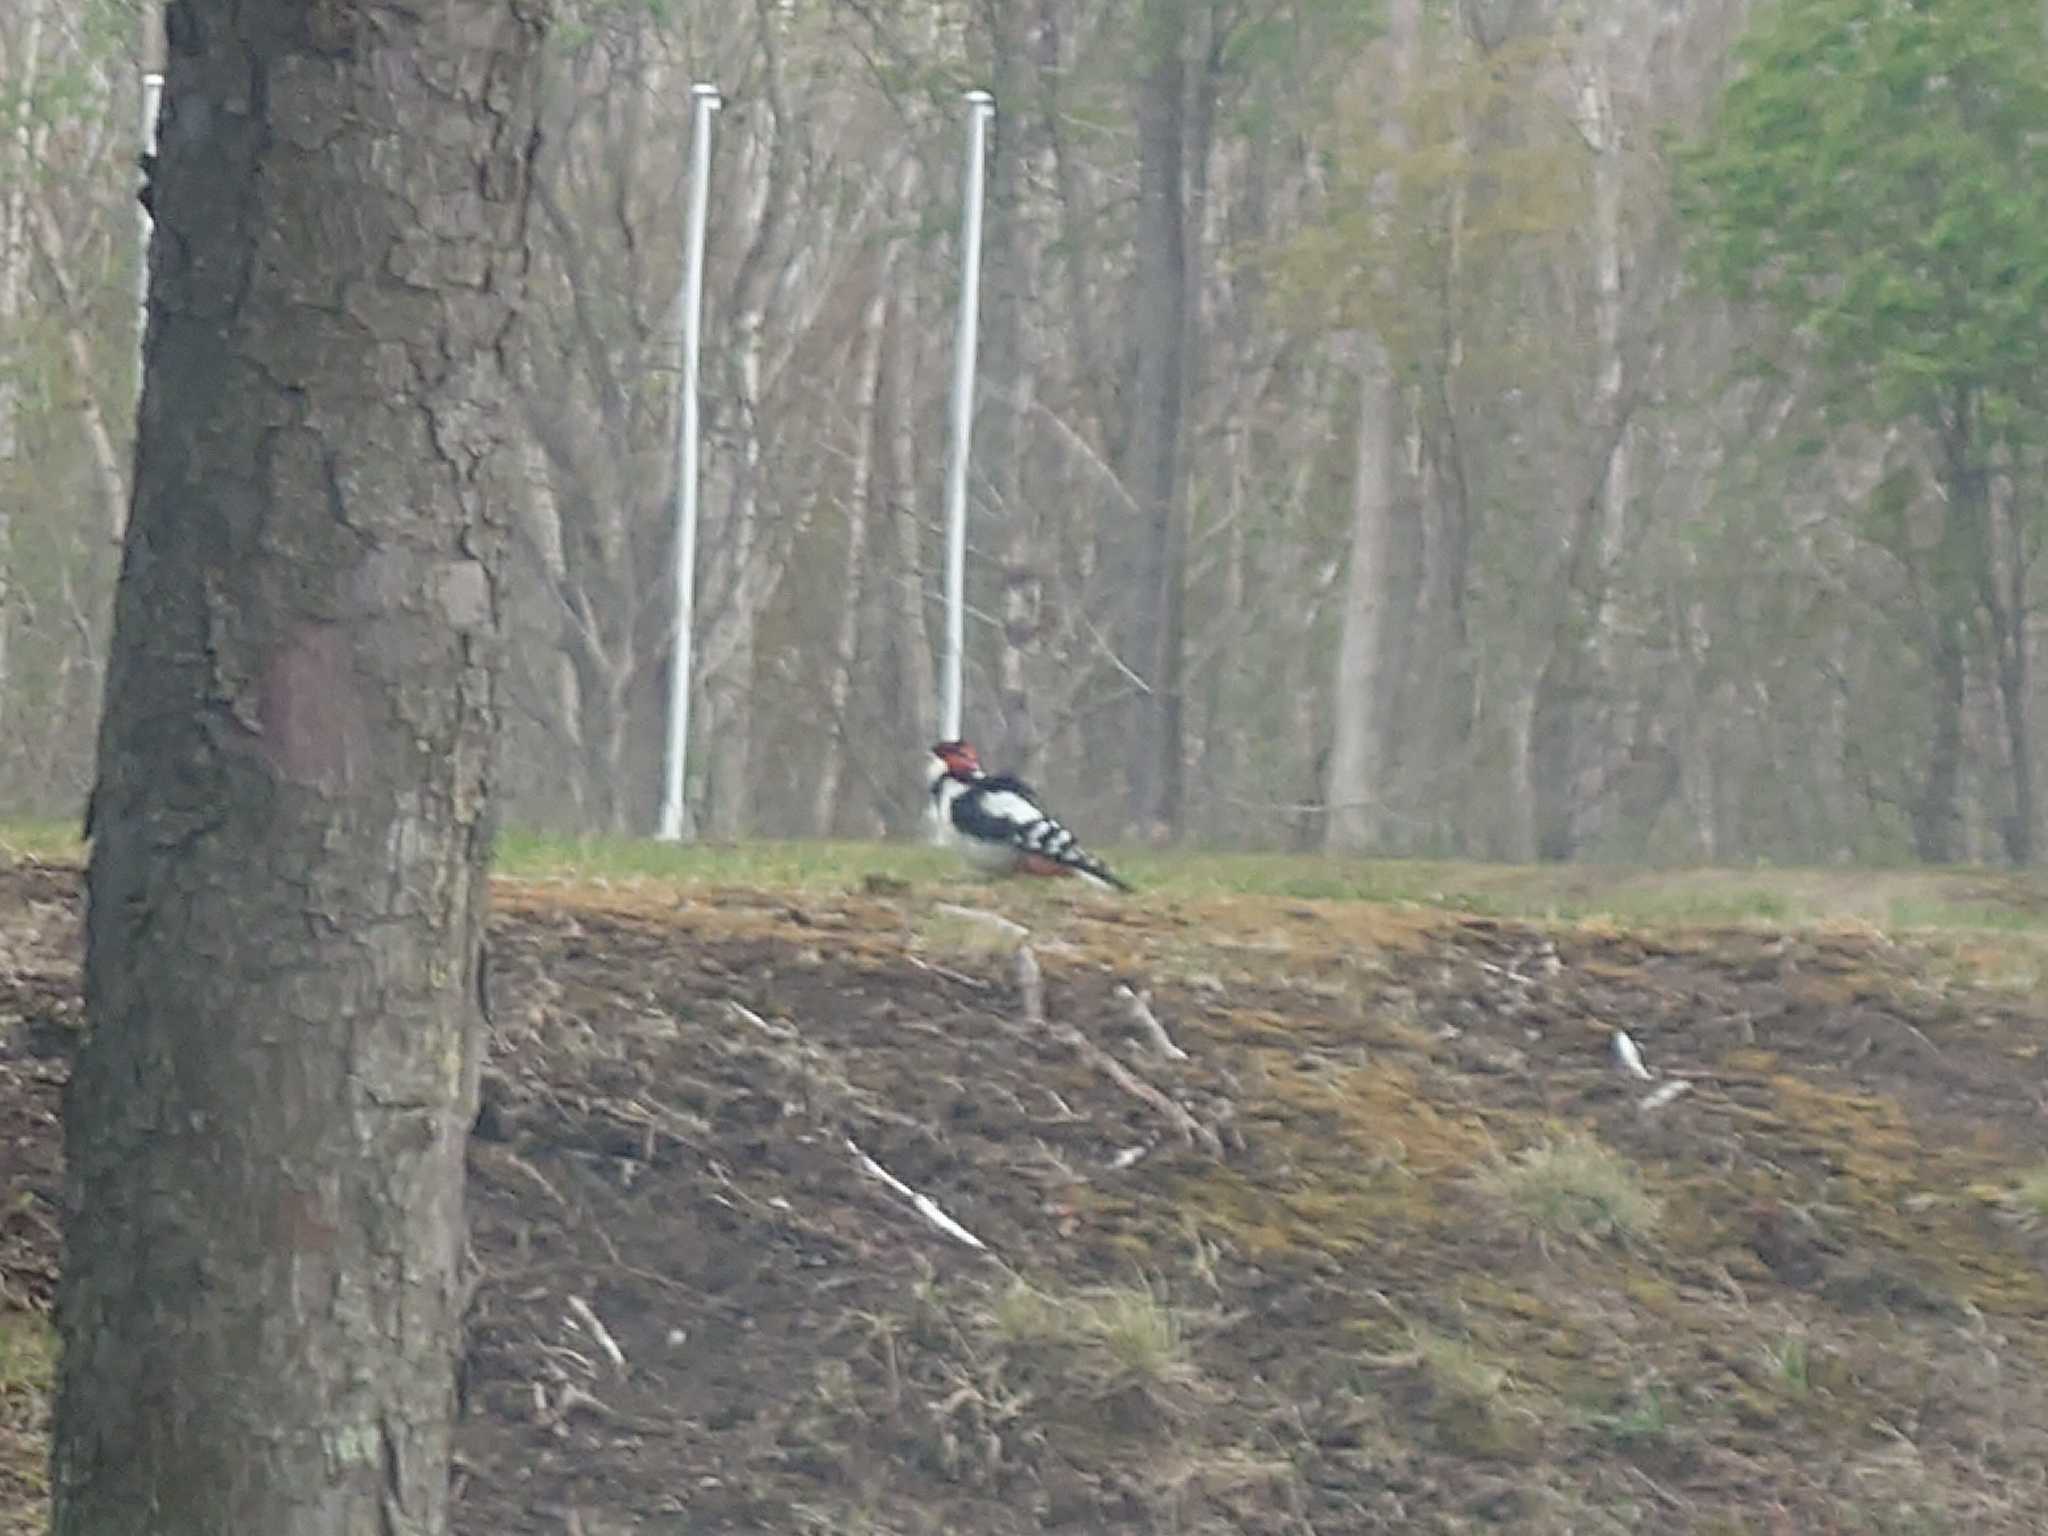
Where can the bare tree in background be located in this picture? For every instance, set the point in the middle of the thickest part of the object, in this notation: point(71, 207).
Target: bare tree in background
point(1158, 402)
point(1363, 692)
point(1552, 569)
point(265, 1132)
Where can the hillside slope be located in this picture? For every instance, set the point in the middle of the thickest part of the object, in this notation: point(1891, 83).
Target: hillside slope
point(1396, 1247)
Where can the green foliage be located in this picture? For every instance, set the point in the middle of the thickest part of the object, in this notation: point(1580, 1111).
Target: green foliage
point(1291, 57)
point(1879, 175)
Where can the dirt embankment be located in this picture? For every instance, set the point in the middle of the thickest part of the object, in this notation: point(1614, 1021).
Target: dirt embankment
point(1396, 1246)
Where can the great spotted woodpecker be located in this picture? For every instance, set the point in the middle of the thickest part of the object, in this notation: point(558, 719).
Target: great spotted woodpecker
point(999, 825)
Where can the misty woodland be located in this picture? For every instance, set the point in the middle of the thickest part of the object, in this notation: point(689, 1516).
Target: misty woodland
point(1502, 428)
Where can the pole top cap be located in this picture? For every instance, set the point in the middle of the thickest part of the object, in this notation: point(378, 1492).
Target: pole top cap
point(980, 98)
point(706, 92)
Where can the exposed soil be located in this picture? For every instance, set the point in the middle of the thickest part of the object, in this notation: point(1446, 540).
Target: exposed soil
point(1280, 1286)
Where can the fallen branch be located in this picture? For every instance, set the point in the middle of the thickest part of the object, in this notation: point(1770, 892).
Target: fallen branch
point(1030, 985)
point(1662, 1096)
point(1405, 1360)
point(747, 1015)
point(1628, 1058)
point(1139, 1006)
point(951, 975)
point(1916, 1032)
point(1191, 1130)
point(522, 1167)
point(924, 1204)
point(587, 1316)
point(572, 1398)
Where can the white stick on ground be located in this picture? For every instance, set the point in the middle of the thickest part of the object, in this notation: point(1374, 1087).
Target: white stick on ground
point(590, 1320)
point(747, 1015)
point(1030, 985)
point(925, 1205)
point(1662, 1096)
point(1139, 1006)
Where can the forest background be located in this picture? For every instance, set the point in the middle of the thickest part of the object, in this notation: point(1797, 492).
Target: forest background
point(1500, 429)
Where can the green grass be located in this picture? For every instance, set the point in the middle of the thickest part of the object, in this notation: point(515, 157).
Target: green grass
point(57, 841)
point(1902, 899)
point(1111, 1335)
point(1791, 1366)
point(2032, 1193)
point(28, 1353)
point(28, 1368)
point(1572, 1188)
point(779, 865)
point(1896, 899)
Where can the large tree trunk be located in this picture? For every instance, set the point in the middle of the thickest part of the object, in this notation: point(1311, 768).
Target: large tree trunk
point(262, 1279)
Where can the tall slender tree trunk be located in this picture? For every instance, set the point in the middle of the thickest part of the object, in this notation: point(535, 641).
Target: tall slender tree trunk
point(729, 690)
point(1936, 813)
point(1362, 694)
point(2015, 687)
point(1009, 357)
point(262, 1283)
point(1157, 405)
point(1603, 135)
point(1571, 753)
point(17, 172)
point(110, 474)
point(1999, 554)
point(914, 679)
point(729, 686)
point(1361, 716)
point(867, 383)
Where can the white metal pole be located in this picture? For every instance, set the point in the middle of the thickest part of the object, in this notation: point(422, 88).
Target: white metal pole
point(980, 108)
point(705, 100)
point(152, 99)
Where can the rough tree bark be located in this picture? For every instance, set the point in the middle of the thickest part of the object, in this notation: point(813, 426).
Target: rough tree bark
point(264, 1137)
